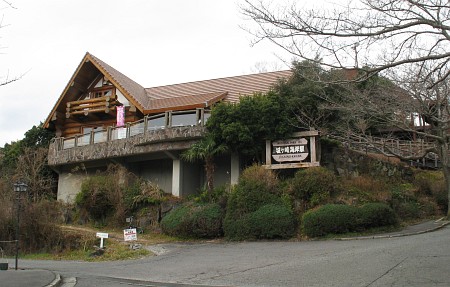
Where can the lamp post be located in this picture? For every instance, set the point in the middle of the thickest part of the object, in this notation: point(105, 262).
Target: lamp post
point(19, 187)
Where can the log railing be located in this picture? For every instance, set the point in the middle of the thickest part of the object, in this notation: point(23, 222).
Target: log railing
point(84, 107)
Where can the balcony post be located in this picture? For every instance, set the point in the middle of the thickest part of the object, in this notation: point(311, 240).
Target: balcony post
point(145, 125)
point(198, 115)
point(91, 137)
point(75, 142)
point(202, 117)
point(168, 119)
point(128, 132)
point(108, 134)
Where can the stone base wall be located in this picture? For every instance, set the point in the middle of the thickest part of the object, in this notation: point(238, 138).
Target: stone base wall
point(352, 163)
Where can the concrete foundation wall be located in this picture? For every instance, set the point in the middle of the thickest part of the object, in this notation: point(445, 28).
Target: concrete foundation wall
point(157, 171)
point(172, 175)
point(192, 178)
point(69, 185)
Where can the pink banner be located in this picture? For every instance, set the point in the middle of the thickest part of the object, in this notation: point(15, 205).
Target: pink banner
point(120, 116)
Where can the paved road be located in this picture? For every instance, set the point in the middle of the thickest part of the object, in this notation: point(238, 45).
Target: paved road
point(419, 260)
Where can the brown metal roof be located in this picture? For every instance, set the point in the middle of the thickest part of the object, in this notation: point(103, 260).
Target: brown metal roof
point(235, 86)
point(133, 89)
point(163, 98)
point(184, 102)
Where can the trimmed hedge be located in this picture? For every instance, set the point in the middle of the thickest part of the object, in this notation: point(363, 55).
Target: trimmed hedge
point(273, 221)
point(336, 218)
point(269, 222)
point(330, 218)
point(255, 209)
point(194, 220)
point(375, 215)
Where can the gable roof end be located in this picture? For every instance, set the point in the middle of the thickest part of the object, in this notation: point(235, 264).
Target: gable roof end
point(127, 86)
point(134, 92)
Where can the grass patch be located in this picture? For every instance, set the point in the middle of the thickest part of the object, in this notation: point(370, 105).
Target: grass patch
point(114, 251)
point(116, 248)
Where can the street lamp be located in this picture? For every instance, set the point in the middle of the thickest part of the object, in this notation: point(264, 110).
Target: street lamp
point(19, 188)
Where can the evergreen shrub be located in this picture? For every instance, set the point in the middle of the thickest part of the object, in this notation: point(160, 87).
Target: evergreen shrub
point(313, 186)
point(408, 210)
point(330, 218)
point(257, 187)
point(194, 220)
point(272, 221)
point(375, 215)
point(336, 218)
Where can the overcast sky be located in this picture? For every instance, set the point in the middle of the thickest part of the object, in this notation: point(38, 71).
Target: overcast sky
point(152, 42)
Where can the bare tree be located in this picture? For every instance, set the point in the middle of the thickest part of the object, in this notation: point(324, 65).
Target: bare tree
point(406, 41)
point(377, 34)
point(31, 168)
point(6, 79)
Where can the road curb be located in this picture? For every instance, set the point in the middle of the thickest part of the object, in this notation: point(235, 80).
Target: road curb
point(397, 235)
point(56, 281)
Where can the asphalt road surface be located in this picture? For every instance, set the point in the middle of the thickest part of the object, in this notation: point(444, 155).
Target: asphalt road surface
point(419, 260)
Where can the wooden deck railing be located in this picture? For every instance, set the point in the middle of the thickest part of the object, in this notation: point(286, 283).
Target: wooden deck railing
point(168, 119)
point(84, 107)
point(394, 147)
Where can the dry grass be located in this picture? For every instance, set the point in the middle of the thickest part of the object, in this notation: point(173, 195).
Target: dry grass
point(363, 189)
point(115, 246)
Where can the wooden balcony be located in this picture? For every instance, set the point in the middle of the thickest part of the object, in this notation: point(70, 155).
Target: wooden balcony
point(105, 104)
point(169, 131)
point(161, 140)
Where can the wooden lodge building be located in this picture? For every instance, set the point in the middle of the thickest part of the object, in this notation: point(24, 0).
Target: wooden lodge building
point(104, 117)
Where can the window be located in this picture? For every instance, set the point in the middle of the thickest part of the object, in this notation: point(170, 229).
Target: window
point(102, 92)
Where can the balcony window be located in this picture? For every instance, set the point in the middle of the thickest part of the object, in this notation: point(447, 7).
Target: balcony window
point(136, 129)
point(180, 120)
point(157, 123)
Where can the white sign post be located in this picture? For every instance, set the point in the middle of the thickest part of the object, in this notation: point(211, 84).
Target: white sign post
point(102, 235)
point(130, 234)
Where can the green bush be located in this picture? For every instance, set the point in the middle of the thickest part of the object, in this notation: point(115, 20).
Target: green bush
point(404, 201)
point(408, 210)
point(194, 220)
point(176, 222)
point(313, 186)
point(207, 221)
point(257, 187)
point(269, 222)
point(375, 215)
point(335, 218)
point(272, 221)
point(93, 198)
point(330, 218)
point(218, 195)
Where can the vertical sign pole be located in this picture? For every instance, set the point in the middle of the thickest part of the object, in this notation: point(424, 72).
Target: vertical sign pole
point(268, 153)
point(312, 148)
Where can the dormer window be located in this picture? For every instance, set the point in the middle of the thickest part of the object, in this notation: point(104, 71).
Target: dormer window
point(102, 92)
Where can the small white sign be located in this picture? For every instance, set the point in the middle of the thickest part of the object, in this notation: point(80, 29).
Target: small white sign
point(130, 234)
point(102, 235)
